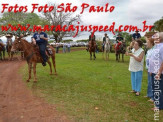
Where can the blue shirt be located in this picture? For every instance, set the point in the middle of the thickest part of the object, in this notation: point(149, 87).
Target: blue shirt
point(39, 40)
point(136, 36)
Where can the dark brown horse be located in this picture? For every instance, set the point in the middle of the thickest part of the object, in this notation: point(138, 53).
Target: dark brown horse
point(92, 48)
point(120, 49)
point(32, 55)
point(2, 51)
point(9, 46)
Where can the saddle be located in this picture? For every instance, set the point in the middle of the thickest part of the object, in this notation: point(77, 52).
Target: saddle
point(48, 50)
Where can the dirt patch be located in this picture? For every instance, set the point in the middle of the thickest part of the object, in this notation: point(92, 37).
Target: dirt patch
point(17, 103)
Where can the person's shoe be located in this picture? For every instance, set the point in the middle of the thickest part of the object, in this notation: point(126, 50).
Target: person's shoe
point(132, 91)
point(43, 63)
point(155, 108)
point(137, 93)
point(151, 100)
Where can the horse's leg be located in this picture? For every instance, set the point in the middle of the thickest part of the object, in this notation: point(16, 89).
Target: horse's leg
point(53, 60)
point(29, 71)
point(4, 54)
point(50, 66)
point(107, 53)
point(103, 53)
point(90, 55)
point(12, 53)
point(94, 55)
point(116, 57)
point(0, 55)
point(34, 71)
point(122, 57)
point(9, 55)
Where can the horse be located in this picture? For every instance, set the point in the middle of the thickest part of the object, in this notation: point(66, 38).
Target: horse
point(2, 51)
point(106, 50)
point(9, 46)
point(120, 49)
point(92, 48)
point(32, 55)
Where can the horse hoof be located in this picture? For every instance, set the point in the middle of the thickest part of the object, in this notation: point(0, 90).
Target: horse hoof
point(28, 80)
point(55, 74)
point(35, 81)
point(50, 73)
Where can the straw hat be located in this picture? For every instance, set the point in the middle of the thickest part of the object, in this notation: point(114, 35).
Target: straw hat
point(9, 35)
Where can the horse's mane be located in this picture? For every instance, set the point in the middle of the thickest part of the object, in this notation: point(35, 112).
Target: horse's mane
point(26, 42)
point(1, 44)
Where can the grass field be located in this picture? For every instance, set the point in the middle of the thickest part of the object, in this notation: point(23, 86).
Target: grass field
point(93, 91)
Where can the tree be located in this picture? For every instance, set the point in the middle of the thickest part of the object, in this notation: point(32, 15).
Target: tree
point(20, 18)
point(158, 25)
point(60, 18)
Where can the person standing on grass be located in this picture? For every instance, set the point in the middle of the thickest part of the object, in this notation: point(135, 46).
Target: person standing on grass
point(156, 71)
point(136, 66)
point(150, 46)
point(64, 48)
point(68, 47)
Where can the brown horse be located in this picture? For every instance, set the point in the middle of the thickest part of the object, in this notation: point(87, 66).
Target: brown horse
point(120, 49)
point(9, 46)
point(32, 55)
point(2, 51)
point(92, 48)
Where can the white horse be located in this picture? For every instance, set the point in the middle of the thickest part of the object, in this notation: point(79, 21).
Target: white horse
point(106, 49)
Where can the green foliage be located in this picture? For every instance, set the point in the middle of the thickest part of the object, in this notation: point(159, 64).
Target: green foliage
point(158, 25)
point(143, 39)
point(21, 18)
point(99, 45)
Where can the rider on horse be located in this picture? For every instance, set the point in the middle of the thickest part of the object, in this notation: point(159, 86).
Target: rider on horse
point(119, 40)
point(135, 36)
point(92, 37)
point(104, 41)
point(9, 41)
point(40, 38)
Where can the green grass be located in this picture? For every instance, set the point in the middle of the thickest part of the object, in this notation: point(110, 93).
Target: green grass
point(83, 85)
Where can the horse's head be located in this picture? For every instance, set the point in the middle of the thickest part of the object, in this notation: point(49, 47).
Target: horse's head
point(17, 44)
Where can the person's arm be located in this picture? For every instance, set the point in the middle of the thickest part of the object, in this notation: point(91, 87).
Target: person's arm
point(34, 41)
point(45, 37)
point(160, 70)
point(139, 58)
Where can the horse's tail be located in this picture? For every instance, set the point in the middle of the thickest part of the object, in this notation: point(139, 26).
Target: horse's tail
point(53, 59)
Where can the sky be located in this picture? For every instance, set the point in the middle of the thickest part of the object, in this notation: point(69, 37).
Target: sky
point(126, 12)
